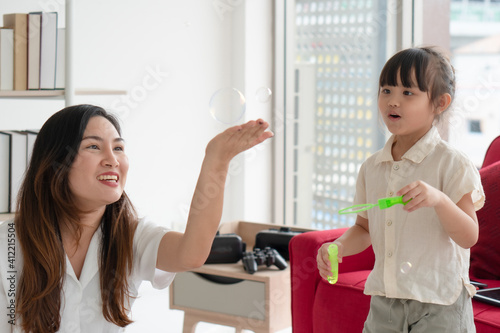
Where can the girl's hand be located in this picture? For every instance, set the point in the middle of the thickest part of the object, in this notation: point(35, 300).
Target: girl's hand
point(421, 195)
point(237, 139)
point(323, 262)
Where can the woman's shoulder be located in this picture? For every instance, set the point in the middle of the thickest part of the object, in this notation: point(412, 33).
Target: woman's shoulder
point(147, 230)
point(145, 224)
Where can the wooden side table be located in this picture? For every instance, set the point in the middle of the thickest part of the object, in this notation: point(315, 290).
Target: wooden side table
point(226, 294)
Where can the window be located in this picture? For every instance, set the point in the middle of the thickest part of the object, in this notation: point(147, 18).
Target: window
point(334, 53)
point(474, 126)
point(475, 47)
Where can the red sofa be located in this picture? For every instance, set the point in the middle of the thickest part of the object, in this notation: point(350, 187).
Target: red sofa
point(493, 153)
point(318, 307)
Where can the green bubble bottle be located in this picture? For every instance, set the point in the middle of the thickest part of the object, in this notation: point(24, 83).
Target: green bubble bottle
point(333, 252)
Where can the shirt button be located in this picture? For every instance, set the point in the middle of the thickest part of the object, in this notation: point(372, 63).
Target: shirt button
point(389, 223)
point(396, 167)
point(391, 194)
point(389, 254)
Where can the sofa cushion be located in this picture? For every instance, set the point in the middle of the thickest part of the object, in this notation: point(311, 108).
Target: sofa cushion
point(345, 300)
point(486, 316)
point(485, 255)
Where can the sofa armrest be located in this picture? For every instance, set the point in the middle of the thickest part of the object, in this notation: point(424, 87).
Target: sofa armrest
point(305, 277)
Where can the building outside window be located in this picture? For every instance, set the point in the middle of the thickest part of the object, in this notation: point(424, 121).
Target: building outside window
point(475, 48)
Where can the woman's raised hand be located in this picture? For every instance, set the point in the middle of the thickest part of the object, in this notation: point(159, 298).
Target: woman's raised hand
point(239, 138)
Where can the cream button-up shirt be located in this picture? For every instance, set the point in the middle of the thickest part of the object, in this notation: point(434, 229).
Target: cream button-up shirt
point(415, 258)
point(81, 309)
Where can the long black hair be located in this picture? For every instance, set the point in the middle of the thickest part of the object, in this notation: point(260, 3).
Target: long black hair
point(45, 202)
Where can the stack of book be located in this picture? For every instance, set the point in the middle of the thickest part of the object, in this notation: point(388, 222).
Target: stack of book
point(31, 52)
point(15, 154)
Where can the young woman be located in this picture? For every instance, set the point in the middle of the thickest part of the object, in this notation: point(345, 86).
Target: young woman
point(433, 232)
point(77, 251)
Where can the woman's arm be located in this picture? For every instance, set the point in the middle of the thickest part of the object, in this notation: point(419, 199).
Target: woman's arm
point(188, 250)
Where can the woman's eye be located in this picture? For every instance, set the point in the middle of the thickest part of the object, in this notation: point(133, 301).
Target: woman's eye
point(92, 147)
point(120, 148)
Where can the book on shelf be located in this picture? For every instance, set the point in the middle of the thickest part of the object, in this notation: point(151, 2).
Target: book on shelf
point(15, 153)
point(19, 23)
point(36, 51)
point(60, 58)
point(30, 143)
point(34, 37)
point(48, 50)
point(6, 59)
point(18, 163)
point(4, 173)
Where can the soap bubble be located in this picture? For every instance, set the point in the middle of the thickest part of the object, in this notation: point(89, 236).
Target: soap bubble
point(227, 105)
point(263, 94)
point(405, 267)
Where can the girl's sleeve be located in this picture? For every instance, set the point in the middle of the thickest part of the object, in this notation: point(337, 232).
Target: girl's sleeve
point(466, 180)
point(146, 242)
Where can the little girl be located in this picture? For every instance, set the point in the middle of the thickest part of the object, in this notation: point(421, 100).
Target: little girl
point(419, 282)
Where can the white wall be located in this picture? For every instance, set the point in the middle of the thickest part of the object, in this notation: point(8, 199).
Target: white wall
point(170, 56)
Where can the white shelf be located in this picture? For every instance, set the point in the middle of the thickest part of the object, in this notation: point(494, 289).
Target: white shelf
point(57, 93)
point(5, 217)
point(80, 92)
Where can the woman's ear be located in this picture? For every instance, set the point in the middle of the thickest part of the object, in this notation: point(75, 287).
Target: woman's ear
point(443, 103)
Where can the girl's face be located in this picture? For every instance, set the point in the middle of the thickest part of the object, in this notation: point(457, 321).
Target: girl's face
point(406, 111)
point(99, 171)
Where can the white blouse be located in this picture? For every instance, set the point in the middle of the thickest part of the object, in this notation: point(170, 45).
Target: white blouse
point(81, 308)
point(415, 257)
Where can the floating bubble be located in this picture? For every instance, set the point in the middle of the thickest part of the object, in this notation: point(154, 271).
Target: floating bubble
point(405, 267)
point(227, 105)
point(263, 94)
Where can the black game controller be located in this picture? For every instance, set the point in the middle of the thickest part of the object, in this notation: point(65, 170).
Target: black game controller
point(277, 239)
point(267, 257)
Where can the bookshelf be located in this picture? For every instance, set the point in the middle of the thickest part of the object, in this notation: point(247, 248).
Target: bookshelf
point(69, 93)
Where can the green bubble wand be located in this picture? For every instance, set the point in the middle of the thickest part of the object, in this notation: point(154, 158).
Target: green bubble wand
point(333, 250)
point(382, 204)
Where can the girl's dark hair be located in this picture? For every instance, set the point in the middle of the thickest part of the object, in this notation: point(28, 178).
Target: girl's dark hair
point(44, 203)
point(433, 72)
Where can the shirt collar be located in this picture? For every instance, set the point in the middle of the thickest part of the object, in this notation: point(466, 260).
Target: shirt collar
point(417, 153)
point(91, 264)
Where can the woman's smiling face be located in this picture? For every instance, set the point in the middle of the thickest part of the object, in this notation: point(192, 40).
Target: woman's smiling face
point(98, 174)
